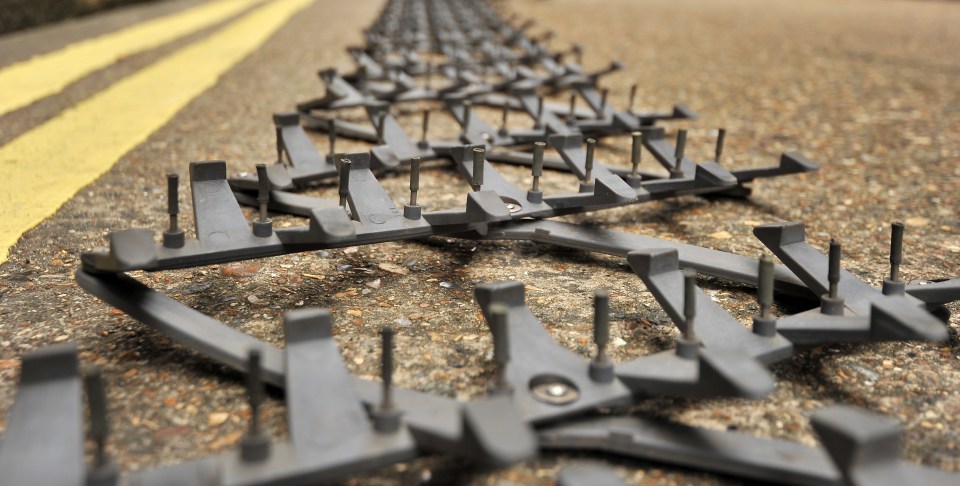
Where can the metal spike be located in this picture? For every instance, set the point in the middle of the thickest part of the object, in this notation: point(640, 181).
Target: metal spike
point(689, 303)
point(588, 163)
point(765, 286)
point(896, 250)
point(601, 367)
point(386, 417)
point(263, 196)
point(538, 148)
point(332, 139)
point(633, 96)
point(535, 195)
point(539, 122)
point(504, 115)
point(764, 324)
point(894, 285)
point(414, 179)
point(601, 320)
point(263, 226)
point(677, 171)
point(721, 135)
point(833, 271)
point(501, 344)
point(386, 367)
point(381, 121)
point(831, 303)
point(425, 127)
point(279, 131)
point(254, 390)
point(255, 445)
point(97, 403)
point(344, 188)
point(479, 157)
point(173, 201)
point(467, 108)
point(173, 236)
point(635, 153)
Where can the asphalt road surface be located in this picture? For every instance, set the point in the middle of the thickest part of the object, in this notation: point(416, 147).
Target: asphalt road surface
point(866, 88)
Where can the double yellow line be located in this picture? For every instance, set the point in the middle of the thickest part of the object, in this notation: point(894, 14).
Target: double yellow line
point(46, 166)
point(44, 75)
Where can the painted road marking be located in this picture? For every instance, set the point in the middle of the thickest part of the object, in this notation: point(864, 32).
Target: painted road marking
point(45, 167)
point(41, 76)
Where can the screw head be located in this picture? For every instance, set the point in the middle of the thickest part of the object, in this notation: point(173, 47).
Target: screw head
point(554, 390)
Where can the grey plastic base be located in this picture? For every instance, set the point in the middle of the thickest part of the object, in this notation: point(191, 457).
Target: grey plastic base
point(766, 327)
point(687, 349)
point(601, 372)
point(412, 212)
point(831, 306)
point(386, 421)
point(173, 239)
point(254, 448)
point(104, 475)
point(891, 287)
point(263, 229)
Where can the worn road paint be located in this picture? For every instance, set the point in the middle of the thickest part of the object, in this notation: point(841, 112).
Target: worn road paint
point(45, 167)
point(41, 76)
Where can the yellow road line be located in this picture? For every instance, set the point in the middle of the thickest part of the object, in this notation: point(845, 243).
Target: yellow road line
point(46, 166)
point(41, 76)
